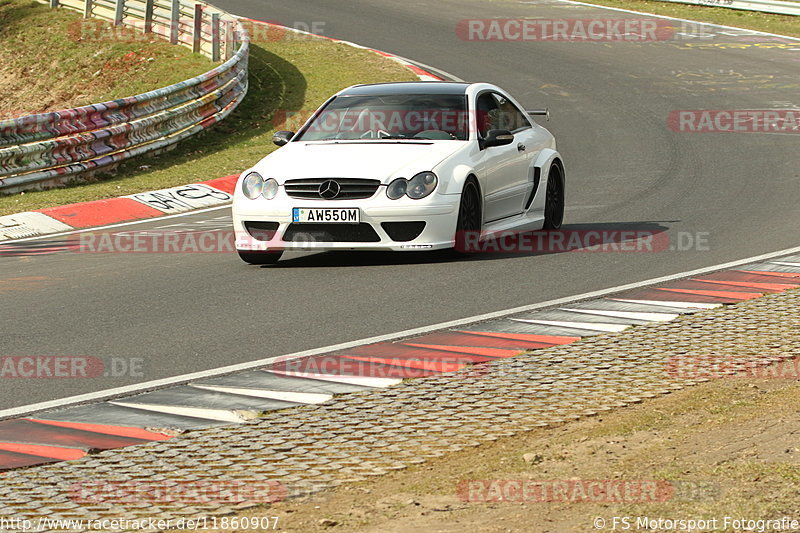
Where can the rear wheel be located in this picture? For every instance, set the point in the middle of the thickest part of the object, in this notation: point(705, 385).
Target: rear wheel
point(468, 226)
point(260, 258)
point(554, 201)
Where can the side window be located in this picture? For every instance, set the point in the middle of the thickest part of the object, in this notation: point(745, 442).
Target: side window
point(486, 113)
point(509, 116)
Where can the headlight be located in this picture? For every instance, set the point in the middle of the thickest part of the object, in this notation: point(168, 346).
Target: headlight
point(417, 187)
point(421, 185)
point(270, 189)
point(252, 185)
point(397, 188)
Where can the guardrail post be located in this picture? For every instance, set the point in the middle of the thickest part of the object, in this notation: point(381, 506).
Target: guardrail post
point(87, 9)
point(198, 28)
point(175, 23)
point(215, 37)
point(119, 12)
point(230, 28)
point(148, 16)
point(53, 3)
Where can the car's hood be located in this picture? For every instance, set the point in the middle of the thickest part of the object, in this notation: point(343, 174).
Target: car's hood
point(383, 160)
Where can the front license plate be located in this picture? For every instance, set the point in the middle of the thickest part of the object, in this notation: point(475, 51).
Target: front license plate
point(327, 215)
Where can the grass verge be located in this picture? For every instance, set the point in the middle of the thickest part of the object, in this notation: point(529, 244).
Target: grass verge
point(289, 78)
point(52, 59)
point(752, 20)
point(728, 447)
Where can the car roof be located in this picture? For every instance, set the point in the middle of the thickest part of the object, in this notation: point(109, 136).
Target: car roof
point(407, 87)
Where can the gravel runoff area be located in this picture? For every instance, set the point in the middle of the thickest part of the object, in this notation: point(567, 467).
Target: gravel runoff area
point(308, 449)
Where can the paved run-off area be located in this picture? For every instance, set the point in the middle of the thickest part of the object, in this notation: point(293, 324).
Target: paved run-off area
point(363, 434)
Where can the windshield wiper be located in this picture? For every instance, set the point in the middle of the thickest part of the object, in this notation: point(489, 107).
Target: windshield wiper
point(403, 138)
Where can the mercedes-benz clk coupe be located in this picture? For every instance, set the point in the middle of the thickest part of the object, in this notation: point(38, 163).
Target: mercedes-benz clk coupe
point(401, 166)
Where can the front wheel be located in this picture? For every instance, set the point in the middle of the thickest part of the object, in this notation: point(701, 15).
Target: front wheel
point(554, 201)
point(260, 258)
point(468, 225)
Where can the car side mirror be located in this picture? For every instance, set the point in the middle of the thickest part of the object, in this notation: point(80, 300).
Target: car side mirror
point(498, 138)
point(282, 137)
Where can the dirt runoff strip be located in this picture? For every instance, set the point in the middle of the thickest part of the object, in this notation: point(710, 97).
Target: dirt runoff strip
point(193, 481)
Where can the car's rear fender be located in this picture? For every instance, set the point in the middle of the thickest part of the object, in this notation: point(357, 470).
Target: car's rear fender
point(544, 161)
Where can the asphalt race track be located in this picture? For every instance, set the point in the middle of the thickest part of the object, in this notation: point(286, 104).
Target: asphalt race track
point(176, 314)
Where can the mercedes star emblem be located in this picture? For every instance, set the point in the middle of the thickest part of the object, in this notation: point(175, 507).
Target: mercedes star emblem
point(329, 189)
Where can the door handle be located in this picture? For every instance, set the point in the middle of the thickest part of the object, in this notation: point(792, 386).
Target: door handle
point(521, 147)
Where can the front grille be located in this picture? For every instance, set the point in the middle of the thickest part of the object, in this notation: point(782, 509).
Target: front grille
point(310, 233)
point(350, 188)
point(261, 231)
point(403, 231)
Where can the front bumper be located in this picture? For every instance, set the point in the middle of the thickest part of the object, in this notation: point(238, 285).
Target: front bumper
point(437, 212)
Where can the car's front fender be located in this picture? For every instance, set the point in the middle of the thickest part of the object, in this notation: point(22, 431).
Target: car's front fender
point(454, 171)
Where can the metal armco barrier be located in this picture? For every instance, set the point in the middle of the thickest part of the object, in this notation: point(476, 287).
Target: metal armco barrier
point(49, 149)
point(765, 6)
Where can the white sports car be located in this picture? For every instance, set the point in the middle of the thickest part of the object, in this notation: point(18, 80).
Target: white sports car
point(401, 166)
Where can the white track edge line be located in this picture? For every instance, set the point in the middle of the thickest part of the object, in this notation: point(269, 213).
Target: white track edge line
point(647, 316)
point(603, 327)
point(216, 415)
point(362, 381)
point(446, 76)
point(284, 396)
point(119, 391)
point(692, 307)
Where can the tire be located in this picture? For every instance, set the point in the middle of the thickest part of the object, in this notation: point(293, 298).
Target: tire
point(554, 201)
point(260, 258)
point(469, 214)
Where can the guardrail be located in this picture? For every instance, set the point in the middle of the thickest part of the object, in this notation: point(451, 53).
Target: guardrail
point(48, 149)
point(765, 6)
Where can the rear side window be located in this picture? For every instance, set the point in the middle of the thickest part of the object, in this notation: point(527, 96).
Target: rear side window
point(495, 112)
point(511, 118)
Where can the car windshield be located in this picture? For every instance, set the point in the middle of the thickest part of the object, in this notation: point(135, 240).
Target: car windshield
point(390, 117)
